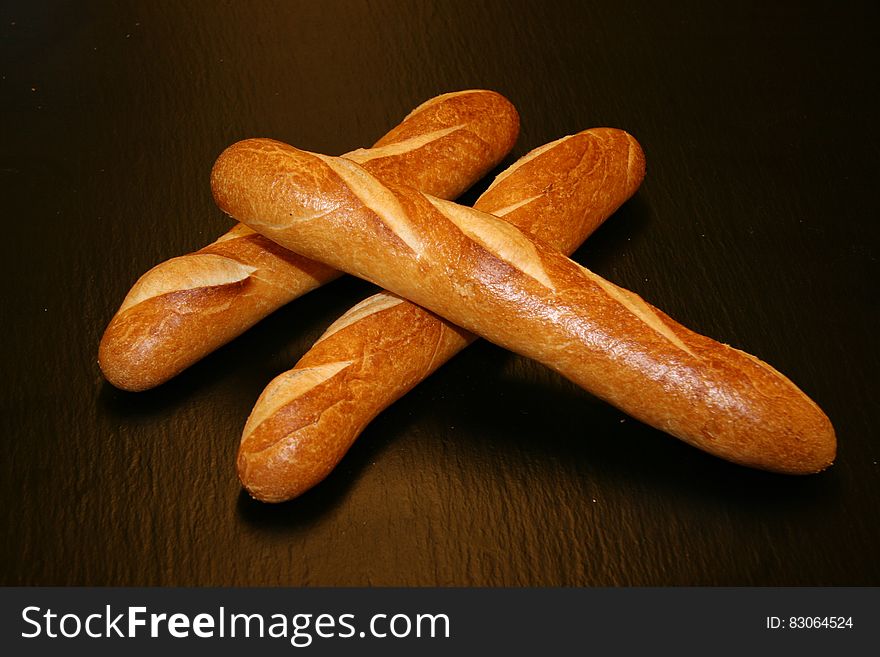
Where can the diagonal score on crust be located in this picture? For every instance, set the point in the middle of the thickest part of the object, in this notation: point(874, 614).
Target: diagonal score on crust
point(498, 237)
point(376, 197)
point(286, 387)
point(515, 206)
point(639, 308)
point(528, 157)
point(186, 273)
point(365, 308)
point(362, 155)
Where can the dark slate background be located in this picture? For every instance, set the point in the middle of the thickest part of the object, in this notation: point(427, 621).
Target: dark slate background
point(757, 225)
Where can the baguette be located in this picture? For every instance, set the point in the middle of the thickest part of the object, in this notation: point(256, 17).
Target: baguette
point(186, 307)
point(485, 275)
point(307, 418)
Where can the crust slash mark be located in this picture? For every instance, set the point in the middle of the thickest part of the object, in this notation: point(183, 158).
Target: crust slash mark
point(500, 238)
point(287, 387)
point(362, 155)
point(375, 196)
point(365, 308)
point(641, 310)
point(186, 273)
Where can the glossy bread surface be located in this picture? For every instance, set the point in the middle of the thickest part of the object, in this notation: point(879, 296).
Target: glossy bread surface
point(755, 225)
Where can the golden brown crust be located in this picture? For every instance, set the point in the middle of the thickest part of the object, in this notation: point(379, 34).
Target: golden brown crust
point(443, 148)
point(302, 439)
point(487, 141)
point(481, 274)
point(385, 345)
point(154, 340)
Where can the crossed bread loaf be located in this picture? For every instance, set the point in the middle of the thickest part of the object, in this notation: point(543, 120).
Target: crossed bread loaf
point(485, 275)
point(308, 417)
point(187, 307)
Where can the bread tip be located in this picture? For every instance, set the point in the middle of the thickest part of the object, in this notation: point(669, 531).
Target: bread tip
point(117, 366)
point(819, 451)
point(261, 481)
point(811, 455)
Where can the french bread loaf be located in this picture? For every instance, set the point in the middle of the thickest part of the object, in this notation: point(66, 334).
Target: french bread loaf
point(308, 417)
point(187, 307)
point(483, 274)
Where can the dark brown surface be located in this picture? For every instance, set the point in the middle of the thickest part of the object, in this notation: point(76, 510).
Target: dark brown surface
point(756, 225)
